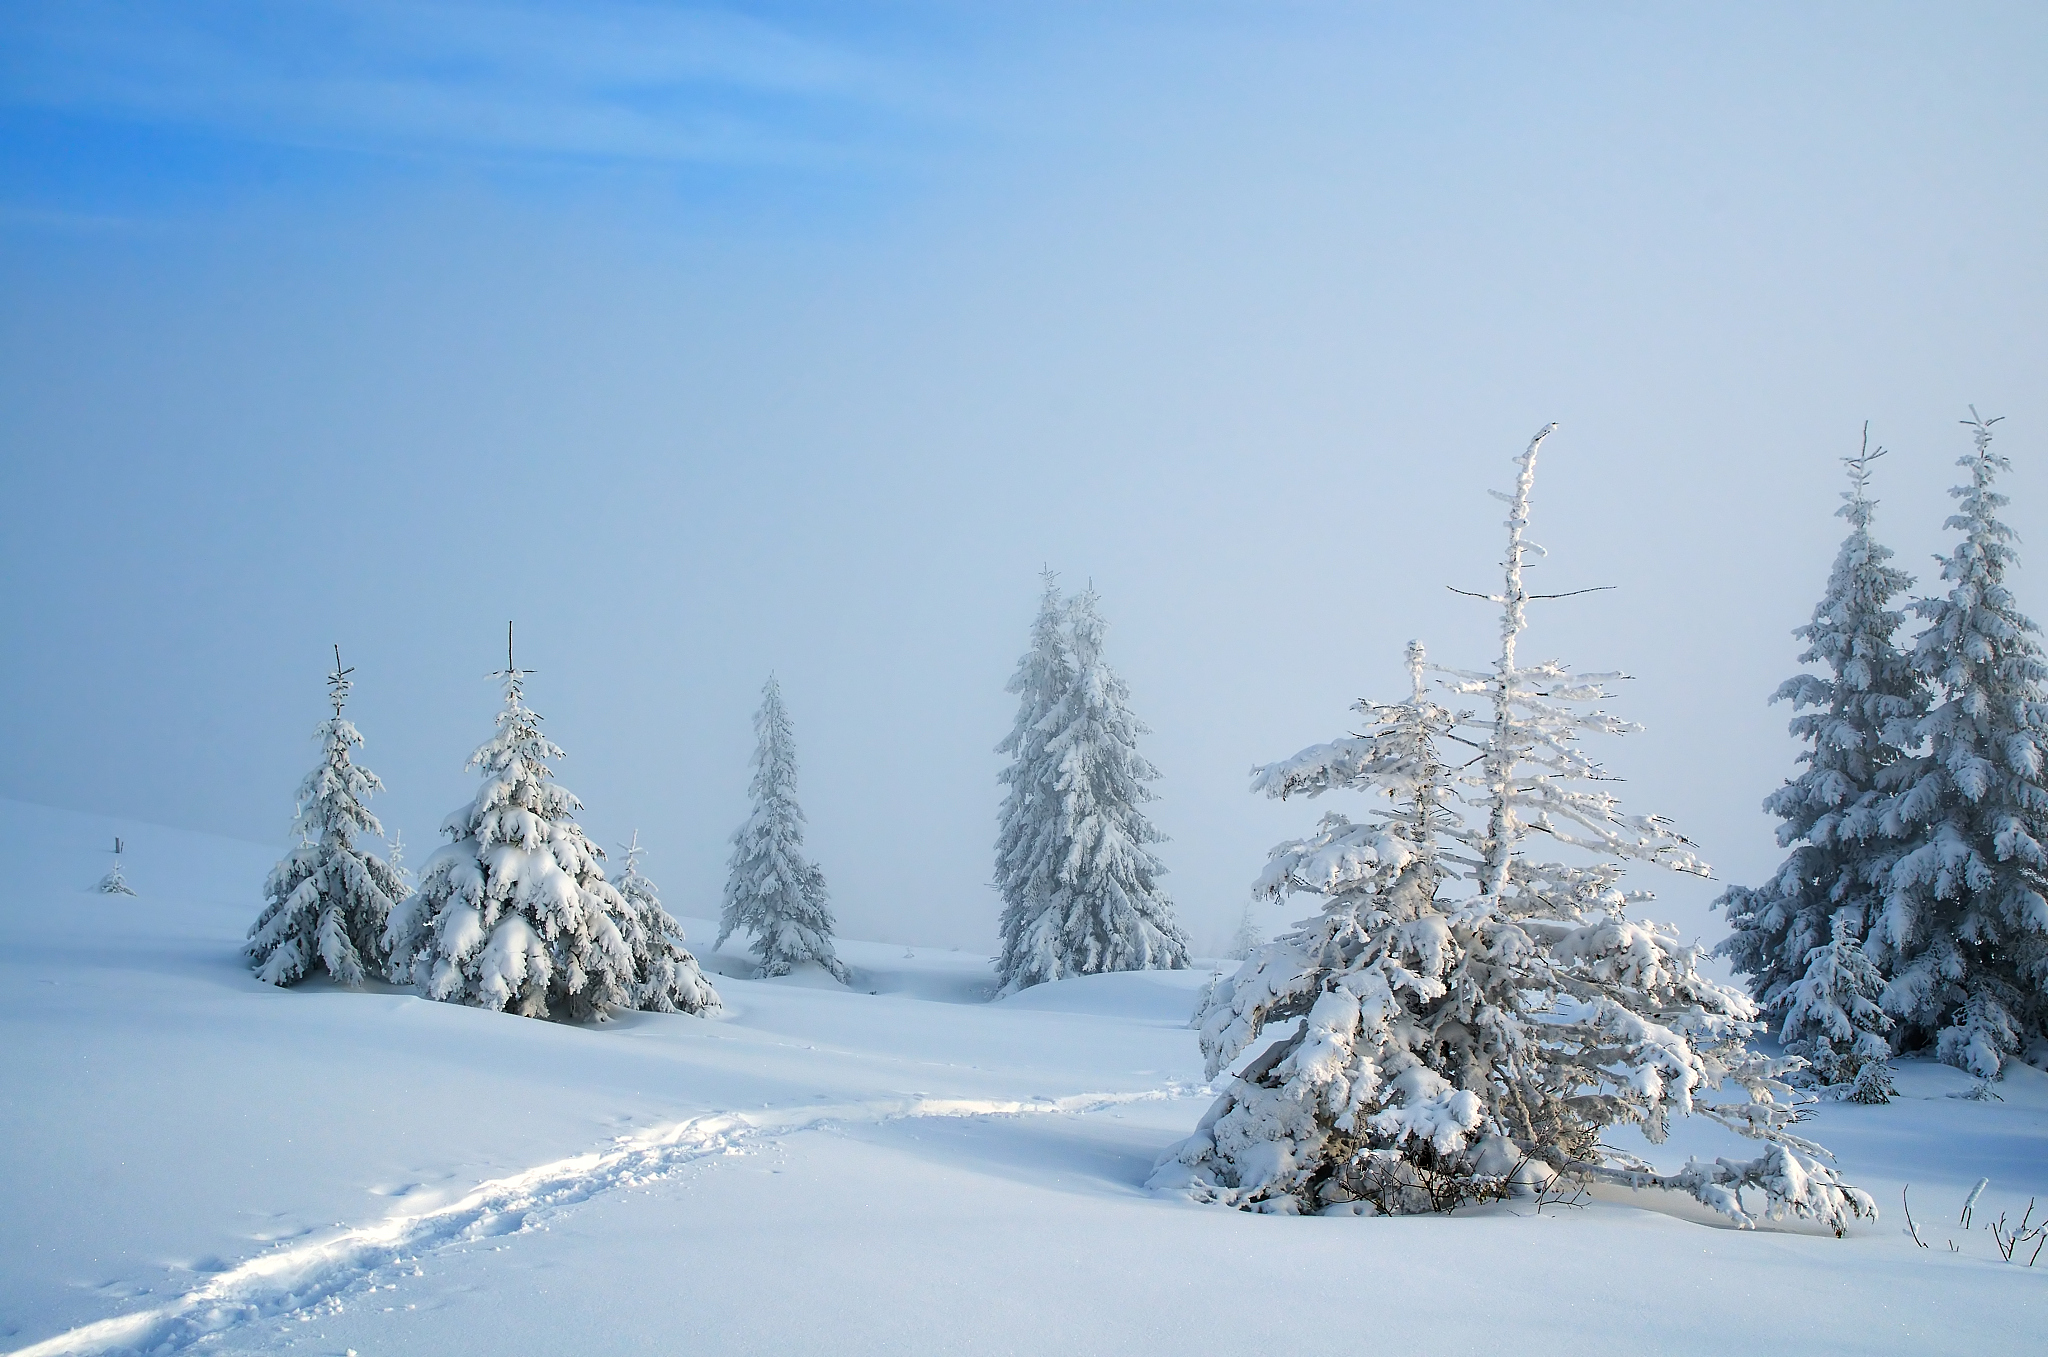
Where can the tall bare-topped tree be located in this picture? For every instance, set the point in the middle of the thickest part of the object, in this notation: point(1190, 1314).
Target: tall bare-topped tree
point(1471, 1013)
point(514, 914)
point(329, 898)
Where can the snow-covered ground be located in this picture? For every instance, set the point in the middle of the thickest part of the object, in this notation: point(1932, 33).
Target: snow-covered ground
point(195, 1160)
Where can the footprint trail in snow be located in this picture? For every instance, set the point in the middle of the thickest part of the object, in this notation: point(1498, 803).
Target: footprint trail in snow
point(293, 1280)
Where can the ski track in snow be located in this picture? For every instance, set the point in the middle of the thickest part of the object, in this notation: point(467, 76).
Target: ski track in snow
point(292, 1281)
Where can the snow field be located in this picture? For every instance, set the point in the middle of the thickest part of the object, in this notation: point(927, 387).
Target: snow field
point(194, 1160)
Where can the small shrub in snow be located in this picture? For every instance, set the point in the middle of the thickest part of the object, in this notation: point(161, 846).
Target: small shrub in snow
point(1079, 881)
point(1833, 1021)
point(1461, 1018)
point(114, 882)
point(1873, 1083)
point(774, 891)
point(514, 913)
point(329, 899)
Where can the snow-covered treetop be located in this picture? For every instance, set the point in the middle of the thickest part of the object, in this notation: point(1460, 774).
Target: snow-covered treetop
point(518, 798)
point(1096, 739)
point(1976, 637)
point(330, 800)
point(631, 883)
point(1532, 775)
point(1043, 673)
point(774, 760)
point(1396, 757)
point(1870, 682)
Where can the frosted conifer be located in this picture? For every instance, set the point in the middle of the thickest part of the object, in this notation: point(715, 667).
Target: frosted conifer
point(1964, 932)
point(1452, 1041)
point(114, 882)
point(1029, 845)
point(1833, 1020)
point(1830, 816)
point(1101, 908)
point(328, 899)
point(1366, 977)
point(1248, 938)
point(774, 891)
point(666, 978)
point(394, 857)
point(514, 913)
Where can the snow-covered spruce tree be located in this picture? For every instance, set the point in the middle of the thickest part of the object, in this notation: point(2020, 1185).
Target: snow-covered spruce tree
point(666, 978)
point(328, 900)
point(1029, 845)
point(1365, 1068)
point(1248, 939)
point(1451, 1041)
point(774, 891)
point(394, 857)
point(1830, 816)
point(1833, 1020)
point(1964, 933)
point(514, 913)
point(115, 882)
point(1103, 908)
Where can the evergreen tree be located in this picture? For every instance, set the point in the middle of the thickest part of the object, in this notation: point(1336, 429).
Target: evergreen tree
point(514, 913)
point(774, 891)
point(1448, 1045)
point(1964, 931)
point(666, 978)
point(1029, 845)
point(328, 899)
point(1299, 1129)
point(1100, 907)
point(394, 858)
point(1248, 938)
point(1830, 816)
point(1833, 1020)
point(114, 882)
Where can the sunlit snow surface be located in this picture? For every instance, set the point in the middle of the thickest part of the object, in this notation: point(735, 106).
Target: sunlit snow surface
point(194, 1161)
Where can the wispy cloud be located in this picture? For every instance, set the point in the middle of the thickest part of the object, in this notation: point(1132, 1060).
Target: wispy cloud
point(615, 81)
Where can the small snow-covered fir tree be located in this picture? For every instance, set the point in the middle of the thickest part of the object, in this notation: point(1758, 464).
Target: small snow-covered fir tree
point(1029, 844)
point(1833, 1020)
point(1964, 931)
point(1302, 1126)
point(514, 913)
point(1097, 904)
point(394, 858)
point(115, 882)
point(1248, 939)
point(1830, 816)
point(1450, 1043)
point(774, 891)
point(666, 978)
point(329, 899)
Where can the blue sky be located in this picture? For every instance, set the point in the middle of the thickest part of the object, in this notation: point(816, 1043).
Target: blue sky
point(708, 342)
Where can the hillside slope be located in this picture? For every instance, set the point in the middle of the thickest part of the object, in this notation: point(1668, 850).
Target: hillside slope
point(188, 1157)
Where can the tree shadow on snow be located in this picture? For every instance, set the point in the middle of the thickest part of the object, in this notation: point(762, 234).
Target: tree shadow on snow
point(1081, 1156)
